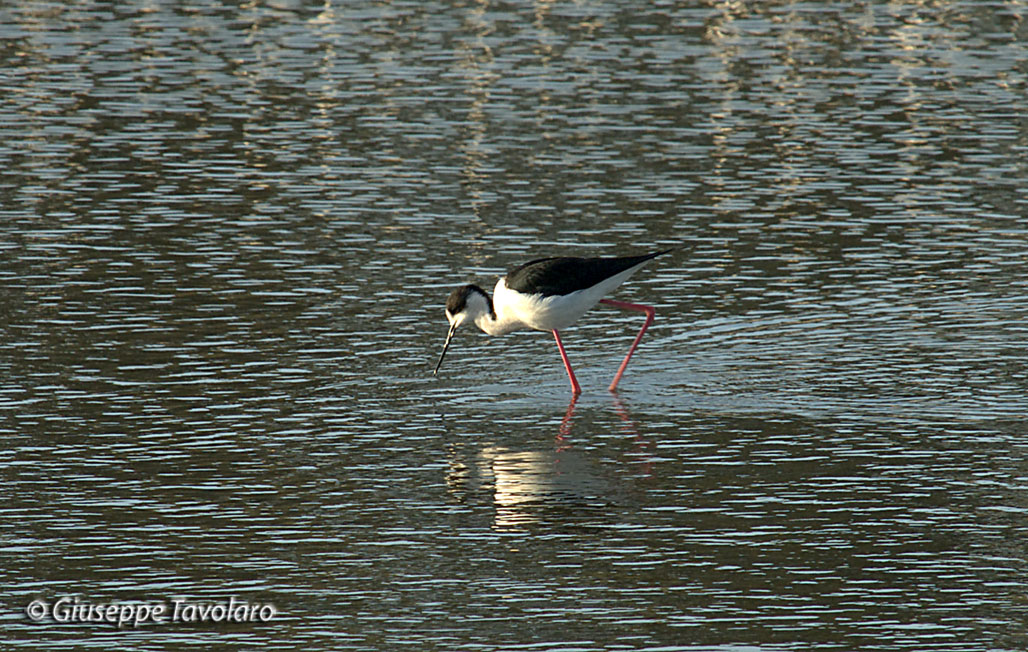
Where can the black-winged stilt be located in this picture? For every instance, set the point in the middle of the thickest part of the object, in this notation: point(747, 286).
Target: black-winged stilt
point(547, 295)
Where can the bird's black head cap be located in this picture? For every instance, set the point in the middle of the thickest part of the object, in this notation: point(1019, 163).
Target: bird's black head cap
point(458, 299)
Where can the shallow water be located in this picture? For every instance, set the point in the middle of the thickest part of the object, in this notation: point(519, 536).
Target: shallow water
point(228, 232)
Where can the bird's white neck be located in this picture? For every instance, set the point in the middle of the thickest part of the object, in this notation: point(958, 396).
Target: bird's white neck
point(483, 311)
point(494, 325)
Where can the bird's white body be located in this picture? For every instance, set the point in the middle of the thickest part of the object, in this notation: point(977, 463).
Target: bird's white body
point(515, 310)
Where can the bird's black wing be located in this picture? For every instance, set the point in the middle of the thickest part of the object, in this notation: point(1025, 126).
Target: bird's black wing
point(550, 276)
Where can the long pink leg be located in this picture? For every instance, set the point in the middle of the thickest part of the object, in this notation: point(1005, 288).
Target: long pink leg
point(575, 387)
point(650, 314)
point(565, 424)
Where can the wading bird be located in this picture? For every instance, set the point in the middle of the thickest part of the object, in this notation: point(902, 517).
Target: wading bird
point(548, 294)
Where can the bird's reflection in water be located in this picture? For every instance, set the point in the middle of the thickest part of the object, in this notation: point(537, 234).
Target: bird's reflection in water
point(529, 484)
point(526, 487)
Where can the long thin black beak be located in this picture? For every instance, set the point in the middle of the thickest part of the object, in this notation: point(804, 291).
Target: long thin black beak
point(449, 336)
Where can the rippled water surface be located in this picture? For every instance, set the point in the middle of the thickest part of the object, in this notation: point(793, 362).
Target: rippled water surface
point(228, 231)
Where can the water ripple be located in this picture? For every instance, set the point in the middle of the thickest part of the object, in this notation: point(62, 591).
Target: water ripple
point(228, 234)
